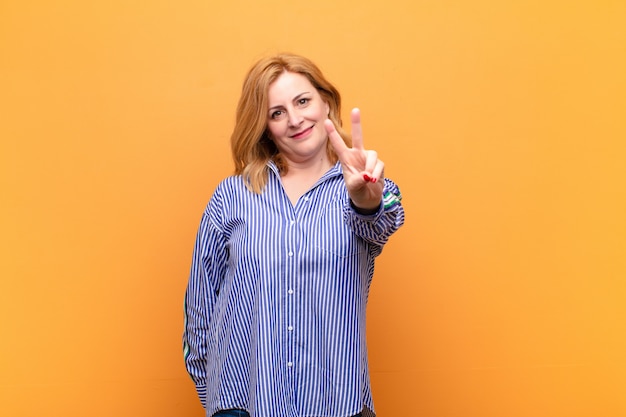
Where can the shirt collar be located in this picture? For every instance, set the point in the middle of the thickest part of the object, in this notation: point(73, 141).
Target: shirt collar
point(334, 171)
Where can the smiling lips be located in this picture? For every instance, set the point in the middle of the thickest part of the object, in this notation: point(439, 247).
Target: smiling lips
point(303, 133)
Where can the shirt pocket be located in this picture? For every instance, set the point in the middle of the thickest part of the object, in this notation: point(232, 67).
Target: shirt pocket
point(334, 236)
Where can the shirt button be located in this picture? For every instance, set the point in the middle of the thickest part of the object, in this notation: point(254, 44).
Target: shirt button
point(306, 198)
point(290, 253)
point(290, 328)
point(290, 364)
point(290, 291)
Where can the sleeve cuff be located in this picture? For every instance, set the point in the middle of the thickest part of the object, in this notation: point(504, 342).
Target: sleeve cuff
point(368, 215)
point(201, 390)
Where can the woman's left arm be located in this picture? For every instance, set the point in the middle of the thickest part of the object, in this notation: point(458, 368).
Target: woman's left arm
point(375, 211)
point(376, 227)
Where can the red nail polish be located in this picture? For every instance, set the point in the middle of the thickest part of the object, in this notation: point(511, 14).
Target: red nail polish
point(366, 177)
point(374, 179)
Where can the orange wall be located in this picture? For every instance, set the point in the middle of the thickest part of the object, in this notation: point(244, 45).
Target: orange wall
point(503, 122)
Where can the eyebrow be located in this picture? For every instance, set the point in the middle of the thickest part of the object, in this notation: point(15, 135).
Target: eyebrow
point(294, 99)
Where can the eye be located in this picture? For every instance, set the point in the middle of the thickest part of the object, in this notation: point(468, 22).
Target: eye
point(276, 114)
point(303, 101)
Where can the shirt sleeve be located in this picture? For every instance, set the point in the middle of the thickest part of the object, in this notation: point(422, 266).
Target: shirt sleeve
point(378, 227)
point(207, 269)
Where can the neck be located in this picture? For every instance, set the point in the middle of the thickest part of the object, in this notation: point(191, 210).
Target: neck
point(315, 168)
point(301, 177)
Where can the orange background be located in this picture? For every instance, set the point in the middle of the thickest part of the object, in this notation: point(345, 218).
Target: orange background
point(504, 123)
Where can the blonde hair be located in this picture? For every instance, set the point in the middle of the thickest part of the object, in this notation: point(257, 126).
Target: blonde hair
point(250, 143)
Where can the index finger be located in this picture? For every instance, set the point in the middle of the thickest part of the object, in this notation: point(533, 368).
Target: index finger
point(335, 138)
point(357, 132)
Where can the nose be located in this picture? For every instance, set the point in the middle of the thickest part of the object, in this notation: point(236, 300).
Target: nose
point(295, 119)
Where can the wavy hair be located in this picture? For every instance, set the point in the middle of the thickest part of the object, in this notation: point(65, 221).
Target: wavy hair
point(250, 142)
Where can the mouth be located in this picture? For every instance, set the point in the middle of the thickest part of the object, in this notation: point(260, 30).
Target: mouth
point(302, 133)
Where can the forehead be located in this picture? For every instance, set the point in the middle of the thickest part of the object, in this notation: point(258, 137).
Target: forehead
point(287, 86)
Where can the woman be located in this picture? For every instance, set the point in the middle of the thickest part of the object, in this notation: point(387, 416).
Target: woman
point(284, 257)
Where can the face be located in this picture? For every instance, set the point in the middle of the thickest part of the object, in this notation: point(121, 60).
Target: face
point(295, 119)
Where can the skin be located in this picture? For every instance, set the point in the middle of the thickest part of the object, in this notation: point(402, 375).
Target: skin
point(295, 122)
point(299, 126)
point(363, 172)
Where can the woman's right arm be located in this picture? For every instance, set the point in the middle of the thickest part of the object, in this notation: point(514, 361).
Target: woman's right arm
point(207, 270)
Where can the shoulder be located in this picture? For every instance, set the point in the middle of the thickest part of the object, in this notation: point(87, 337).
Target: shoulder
point(229, 187)
point(227, 190)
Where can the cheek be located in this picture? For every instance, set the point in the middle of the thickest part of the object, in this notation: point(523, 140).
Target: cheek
point(322, 111)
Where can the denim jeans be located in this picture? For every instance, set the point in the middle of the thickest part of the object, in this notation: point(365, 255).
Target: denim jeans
point(242, 413)
point(231, 413)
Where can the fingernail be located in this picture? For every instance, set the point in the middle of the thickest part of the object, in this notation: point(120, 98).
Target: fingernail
point(374, 179)
point(366, 178)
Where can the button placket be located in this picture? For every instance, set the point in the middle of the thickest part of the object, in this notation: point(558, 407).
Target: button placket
point(292, 247)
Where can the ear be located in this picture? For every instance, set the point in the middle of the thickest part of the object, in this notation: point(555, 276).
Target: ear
point(327, 109)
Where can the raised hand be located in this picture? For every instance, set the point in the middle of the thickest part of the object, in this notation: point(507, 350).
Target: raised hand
point(363, 172)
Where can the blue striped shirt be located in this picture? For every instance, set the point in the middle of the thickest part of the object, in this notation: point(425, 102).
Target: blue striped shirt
point(276, 299)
